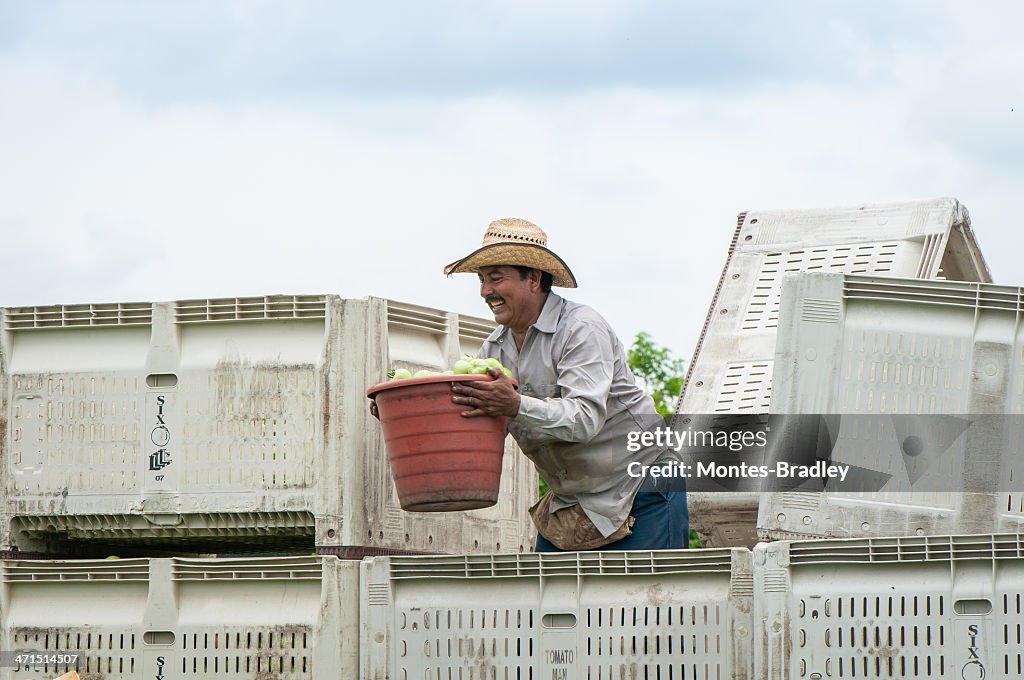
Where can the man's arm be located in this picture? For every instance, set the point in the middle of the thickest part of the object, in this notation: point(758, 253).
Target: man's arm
point(584, 375)
point(585, 369)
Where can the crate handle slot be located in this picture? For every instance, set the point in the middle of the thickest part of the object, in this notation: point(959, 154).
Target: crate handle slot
point(979, 607)
point(158, 637)
point(161, 380)
point(565, 620)
point(163, 519)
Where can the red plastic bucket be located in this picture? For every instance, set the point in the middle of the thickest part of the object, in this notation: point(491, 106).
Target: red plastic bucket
point(440, 460)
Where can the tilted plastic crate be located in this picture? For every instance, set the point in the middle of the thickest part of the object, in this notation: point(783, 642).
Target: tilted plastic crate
point(241, 420)
point(663, 614)
point(287, 618)
point(857, 345)
point(913, 607)
point(731, 369)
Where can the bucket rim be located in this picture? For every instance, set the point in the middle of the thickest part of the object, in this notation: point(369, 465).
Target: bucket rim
point(426, 380)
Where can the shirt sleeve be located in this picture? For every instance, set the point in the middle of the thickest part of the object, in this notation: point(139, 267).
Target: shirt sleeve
point(584, 367)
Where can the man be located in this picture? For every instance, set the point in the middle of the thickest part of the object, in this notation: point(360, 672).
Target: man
point(576, 405)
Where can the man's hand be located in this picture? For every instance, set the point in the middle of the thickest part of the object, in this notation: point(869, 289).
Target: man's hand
point(496, 397)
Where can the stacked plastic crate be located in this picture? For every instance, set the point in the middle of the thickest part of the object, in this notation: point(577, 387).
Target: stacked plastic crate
point(946, 351)
point(903, 607)
point(241, 426)
point(819, 609)
point(216, 426)
point(609, 615)
point(290, 618)
point(921, 381)
point(732, 367)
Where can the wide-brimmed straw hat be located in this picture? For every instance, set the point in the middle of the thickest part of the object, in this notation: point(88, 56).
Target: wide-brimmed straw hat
point(512, 241)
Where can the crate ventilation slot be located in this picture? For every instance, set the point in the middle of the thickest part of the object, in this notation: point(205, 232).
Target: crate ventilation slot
point(949, 293)
point(251, 308)
point(910, 549)
point(79, 316)
point(763, 309)
point(89, 570)
point(286, 569)
point(474, 329)
point(581, 565)
point(418, 318)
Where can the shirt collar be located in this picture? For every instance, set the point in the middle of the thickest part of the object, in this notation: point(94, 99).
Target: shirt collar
point(545, 323)
point(548, 319)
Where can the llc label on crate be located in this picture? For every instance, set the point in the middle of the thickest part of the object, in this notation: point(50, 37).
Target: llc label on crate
point(972, 632)
point(161, 425)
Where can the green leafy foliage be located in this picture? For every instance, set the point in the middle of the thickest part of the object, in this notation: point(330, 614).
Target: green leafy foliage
point(660, 373)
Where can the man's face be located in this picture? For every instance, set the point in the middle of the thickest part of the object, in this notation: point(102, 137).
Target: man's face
point(515, 301)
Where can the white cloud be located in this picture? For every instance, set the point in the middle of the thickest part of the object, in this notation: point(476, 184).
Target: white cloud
point(110, 195)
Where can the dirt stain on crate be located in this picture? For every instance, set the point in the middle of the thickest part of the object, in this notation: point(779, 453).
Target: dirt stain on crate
point(884, 652)
point(56, 641)
point(656, 596)
point(3, 423)
point(293, 641)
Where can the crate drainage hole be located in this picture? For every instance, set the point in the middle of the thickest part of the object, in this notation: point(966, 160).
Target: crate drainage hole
point(161, 380)
point(980, 607)
point(158, 637)
point(567, 620)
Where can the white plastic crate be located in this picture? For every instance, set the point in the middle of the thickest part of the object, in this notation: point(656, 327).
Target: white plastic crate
point(732, 365)
point(238, 420)
point(857, 345)
point(662, 614)
point(913, 607)
point(287, 618)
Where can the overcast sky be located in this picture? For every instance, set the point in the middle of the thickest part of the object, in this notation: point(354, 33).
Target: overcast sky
point(158, 151)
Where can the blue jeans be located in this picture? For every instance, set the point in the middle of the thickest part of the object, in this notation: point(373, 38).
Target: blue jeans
point(662, 523)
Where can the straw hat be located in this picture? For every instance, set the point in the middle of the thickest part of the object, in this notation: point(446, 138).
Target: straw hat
point(512, 241)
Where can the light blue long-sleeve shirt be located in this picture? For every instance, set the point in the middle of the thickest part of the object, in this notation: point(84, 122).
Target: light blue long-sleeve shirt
point(579, 402)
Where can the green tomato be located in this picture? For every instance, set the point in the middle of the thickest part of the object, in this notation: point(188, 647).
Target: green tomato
point(480, 369)
point(507, 371)
point(462, 367)
point(401, 374)
point(493, 363)
point(424, 373)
